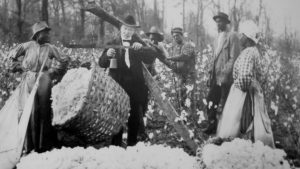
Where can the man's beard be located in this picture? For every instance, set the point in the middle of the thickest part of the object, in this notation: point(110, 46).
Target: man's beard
point(222, 29)
point(43, 40)
point(179, 41)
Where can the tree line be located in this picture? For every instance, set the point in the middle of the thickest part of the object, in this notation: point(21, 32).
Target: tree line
point(70, 23)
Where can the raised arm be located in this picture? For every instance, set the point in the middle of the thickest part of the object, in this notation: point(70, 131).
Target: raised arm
point(18, 51)
point(104, 59)
point(58, 70)
point(147, 54)
point(188, 52)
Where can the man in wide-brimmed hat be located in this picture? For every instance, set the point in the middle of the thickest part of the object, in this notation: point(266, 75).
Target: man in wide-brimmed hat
point(227, 49)
point(155, 38)
point(128, 73)
point(154, 35)
point(41, 136)
point(182, 54)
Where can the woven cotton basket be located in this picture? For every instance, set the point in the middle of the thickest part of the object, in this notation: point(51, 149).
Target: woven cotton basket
point(104, 111)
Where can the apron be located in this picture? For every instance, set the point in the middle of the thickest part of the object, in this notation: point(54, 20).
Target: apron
point(230, 121)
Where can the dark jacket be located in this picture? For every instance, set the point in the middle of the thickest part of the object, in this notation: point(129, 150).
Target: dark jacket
point(224, 60)
point(131, 79)
point(184, 57)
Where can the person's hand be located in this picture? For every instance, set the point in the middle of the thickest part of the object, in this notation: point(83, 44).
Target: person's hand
point(111, 52)
point(16, 67)
point(51, 72)
point(162, 50)
point(220, 109)
point(256, 86)
point(137, 46)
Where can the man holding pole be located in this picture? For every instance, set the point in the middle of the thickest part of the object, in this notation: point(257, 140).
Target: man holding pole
point(155, 38)
point(125, 65)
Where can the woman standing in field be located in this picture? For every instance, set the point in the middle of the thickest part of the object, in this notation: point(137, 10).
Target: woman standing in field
point(245, 113)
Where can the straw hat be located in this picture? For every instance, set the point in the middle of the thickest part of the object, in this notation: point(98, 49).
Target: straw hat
point(38, 27)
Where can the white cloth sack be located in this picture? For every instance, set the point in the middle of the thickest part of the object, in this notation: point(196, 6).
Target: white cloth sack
point(230, 121)
point(9, 122)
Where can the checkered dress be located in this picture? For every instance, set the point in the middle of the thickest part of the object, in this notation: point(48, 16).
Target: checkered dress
point(247, 66)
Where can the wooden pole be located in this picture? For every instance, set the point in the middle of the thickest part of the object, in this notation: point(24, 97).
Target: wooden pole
point(155, 90)
point(168, 110)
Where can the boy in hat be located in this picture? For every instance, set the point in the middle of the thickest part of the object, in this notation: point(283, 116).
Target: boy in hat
point(129, 74)
point(183, 56)
point(227, 49)
point(41, 136)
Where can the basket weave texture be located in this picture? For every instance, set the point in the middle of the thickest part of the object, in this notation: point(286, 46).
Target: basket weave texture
point(104, 112)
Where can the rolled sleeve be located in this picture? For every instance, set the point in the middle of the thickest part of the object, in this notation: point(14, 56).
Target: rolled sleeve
point(61, 59)
point(18, 51)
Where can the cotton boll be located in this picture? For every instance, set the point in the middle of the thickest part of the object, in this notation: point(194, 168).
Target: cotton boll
point(140, 156)
point(74, 85)
point(209, 152)
point(244, 154)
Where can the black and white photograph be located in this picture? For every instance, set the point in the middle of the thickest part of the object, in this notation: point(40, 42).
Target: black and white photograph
point(149, 84)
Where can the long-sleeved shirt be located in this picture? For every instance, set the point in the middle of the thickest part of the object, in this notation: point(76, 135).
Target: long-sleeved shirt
point(34, 55)
point(184, 57)
point(248, 67)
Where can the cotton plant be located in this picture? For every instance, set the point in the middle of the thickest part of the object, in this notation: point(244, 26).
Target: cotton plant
point(285, 104)
point(201, 116)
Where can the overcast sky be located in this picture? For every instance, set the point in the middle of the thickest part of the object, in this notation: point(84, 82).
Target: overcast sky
point(284, 12)
point(281, 12)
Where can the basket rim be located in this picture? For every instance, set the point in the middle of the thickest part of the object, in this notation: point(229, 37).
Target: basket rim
point(87, 94)
point(95, 71)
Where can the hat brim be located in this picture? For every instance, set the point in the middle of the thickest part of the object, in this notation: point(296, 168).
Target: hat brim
point(160, 36)
point(225, 19)
point(44, 29)
point(255, 40)
point(177, 32)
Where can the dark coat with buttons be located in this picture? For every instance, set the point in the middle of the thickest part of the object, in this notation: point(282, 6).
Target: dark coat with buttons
point(131, 79)
point(224, 59)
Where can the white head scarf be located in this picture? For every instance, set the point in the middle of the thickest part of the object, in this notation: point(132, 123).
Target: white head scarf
point(250, 29)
